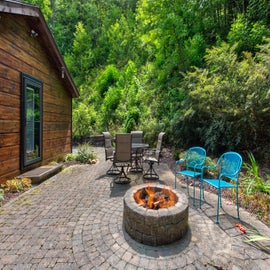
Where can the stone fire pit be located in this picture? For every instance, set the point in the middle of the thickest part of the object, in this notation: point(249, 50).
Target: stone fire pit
point(155, 227)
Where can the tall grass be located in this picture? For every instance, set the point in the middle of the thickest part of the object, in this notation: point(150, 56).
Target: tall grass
point(252, 181)
point(85, 153)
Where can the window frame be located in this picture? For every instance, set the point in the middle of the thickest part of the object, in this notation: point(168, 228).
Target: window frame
point(32, 82)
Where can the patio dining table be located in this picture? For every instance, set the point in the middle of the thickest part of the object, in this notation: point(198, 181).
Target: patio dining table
point(137, 149)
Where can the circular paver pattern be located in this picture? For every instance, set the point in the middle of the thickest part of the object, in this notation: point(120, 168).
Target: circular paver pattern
point(99, 239)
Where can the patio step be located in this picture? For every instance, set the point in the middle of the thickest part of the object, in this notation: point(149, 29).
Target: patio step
point(42, 173)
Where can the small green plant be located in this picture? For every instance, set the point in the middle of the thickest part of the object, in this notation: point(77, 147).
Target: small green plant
point(17, 185)
point(176, 154)
point(211, 172)
point(255, 237)
point(53, 163)
point(70, 157)
point(85, 153)
point(26, 182)
point(252, 182)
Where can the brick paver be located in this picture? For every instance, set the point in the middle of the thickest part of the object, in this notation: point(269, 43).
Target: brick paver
point(74, 221)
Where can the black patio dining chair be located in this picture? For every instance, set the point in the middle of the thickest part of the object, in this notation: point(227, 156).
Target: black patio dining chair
point(137, 136)
point(122, 156)
point(152, 156)
point(109, 153)
point(137, 152)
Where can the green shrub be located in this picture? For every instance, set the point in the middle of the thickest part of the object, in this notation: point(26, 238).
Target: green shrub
point(85, 153)
point(70, 157)
point(252, 181)
point(17, 185)
point(84, 118)
point(107, 79)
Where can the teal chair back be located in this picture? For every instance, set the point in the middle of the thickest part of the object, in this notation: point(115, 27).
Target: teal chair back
point(193, 163)
point(230, 165)
point(195, 158)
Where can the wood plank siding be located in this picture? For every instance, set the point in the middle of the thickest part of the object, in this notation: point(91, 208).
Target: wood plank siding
point(20, 52)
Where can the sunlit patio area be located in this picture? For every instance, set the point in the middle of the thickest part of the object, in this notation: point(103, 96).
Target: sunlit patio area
point(74, 220)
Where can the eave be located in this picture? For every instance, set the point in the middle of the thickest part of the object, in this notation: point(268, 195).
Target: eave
point(37, 22)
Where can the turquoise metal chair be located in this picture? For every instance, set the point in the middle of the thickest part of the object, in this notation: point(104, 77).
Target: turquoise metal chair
point(228, 166)
point(193, 163)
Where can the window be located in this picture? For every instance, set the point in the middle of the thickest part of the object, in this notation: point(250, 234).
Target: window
point(31, 120)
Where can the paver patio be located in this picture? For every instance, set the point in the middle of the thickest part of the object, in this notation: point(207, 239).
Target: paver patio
point(74, 221)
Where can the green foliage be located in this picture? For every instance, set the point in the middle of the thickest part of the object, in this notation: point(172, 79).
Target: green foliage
point(252, 181)
point(131, 55)
point(195, 50)
point(110, 114)
point(17, 185)
point(121, 40)
point(84, 120)
point(69, 157)
point(246, 35)
point(66, 16)
point(85, 153)
point(81, 59)
point(132, 119)
point(254, 190)
point(259, 10)
point(44, 6)
point(108, 78)
point(228, 100)
point(254, 236)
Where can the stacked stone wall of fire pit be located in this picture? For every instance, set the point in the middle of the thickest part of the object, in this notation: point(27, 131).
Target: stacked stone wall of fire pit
point(155, 227)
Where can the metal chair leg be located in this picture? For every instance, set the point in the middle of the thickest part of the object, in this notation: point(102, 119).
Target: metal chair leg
point(113, 170)
point(151, 173)
point(187, 185)
point(122, 178)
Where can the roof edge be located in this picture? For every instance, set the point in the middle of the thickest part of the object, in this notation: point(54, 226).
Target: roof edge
point(24, 9)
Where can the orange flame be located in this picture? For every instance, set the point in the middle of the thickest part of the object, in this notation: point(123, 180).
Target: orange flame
point(155, 198)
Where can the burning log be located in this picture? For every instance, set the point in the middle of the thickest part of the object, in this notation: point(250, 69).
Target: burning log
point(151, 198)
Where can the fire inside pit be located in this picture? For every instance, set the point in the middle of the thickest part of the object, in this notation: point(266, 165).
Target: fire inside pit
point(154, 198)
point(155, 214)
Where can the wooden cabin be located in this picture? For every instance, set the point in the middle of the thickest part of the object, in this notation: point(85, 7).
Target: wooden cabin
point(36, 92)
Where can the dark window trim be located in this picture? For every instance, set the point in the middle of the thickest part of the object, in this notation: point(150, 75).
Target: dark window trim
point(27, 79)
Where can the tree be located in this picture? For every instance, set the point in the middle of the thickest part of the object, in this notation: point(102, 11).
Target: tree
point(81, 60)
point(228, 101)
point(121, 41)
point(45, 6)
point(84, 120)
point(246, 35)
point(259, 10)
point(129, 58)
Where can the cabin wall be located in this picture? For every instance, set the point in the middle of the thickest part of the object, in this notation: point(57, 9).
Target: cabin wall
point(19, 52)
